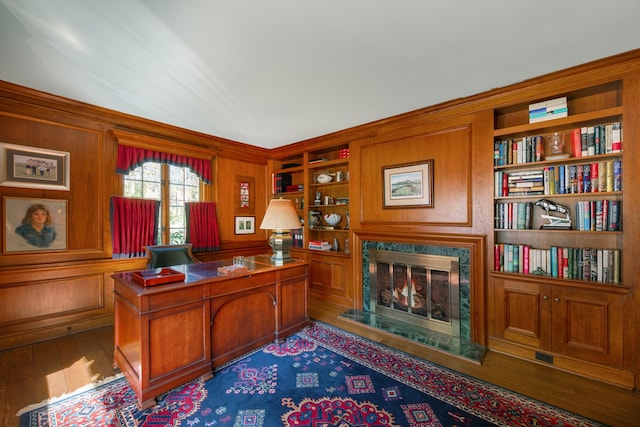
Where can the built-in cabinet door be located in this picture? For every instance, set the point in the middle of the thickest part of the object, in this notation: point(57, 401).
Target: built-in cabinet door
point(522, 313)
point(330, 278)
point(588, 325)
point(581, 323)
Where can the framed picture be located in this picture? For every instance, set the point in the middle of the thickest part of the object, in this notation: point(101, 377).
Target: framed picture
point(408, 185)
point(244, 195)
point(245, 225)
point(31, 167)
point(34, 225)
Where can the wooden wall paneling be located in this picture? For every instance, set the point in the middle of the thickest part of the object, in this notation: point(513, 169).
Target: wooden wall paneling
point(51, 300)
point(229, 171)
point(63, 296)
point(450, 149)
point(84, 201)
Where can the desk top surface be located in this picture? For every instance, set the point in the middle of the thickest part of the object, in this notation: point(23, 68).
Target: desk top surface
point(206, 272)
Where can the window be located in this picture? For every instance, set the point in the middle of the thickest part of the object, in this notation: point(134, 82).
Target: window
point(149, 181)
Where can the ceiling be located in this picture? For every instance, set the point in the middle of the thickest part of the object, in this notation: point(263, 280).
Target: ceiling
point(272, 72)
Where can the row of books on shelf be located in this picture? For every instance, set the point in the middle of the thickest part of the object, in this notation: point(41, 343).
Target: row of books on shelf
point(320, 245)
point(584, 142)
point(298, 238)
point(513, 215)
point(595, 177)
point(280, 181)
point(589, 215)
point(588, 264)
point(548, 110)
point(598, 215)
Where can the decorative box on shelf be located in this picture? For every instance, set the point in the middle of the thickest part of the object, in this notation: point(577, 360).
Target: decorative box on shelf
point(157, 276)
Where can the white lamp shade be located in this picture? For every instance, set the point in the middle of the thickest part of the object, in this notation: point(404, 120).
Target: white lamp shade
point(280, 215)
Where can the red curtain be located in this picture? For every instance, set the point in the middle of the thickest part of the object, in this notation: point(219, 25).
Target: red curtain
point(202, 226)
point(134, 224)
point(131, 157)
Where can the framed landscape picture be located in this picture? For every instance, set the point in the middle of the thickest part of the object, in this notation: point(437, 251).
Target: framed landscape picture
point(34, 225)
point(30, 167)
point(408, 185)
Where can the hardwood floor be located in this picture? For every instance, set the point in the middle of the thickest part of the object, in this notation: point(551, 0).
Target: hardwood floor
point(36, 372)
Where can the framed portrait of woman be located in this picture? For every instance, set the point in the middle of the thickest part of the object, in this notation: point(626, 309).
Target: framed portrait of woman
point(34, 225)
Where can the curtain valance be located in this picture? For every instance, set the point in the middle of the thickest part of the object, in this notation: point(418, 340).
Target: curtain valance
point(131, 157)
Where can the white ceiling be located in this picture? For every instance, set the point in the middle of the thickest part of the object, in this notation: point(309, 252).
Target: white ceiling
point(273, 72)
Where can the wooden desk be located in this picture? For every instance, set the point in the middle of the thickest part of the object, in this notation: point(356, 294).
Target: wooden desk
point(169, 334)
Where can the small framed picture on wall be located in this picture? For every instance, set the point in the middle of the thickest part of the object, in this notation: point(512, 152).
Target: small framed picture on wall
point(245, 225)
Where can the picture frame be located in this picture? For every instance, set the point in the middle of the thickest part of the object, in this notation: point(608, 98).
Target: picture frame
point(245, 225)
point(408, 185)
point(21, 236)
point(244, 195)
point(31, 167)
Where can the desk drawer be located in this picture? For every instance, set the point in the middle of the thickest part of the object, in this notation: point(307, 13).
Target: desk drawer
point(290, 273)
point(241, 283)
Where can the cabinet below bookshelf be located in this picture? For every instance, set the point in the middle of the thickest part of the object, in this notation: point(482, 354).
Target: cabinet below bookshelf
point(567, 324)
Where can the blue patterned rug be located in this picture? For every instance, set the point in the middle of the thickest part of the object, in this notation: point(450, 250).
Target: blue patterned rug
point(320, 377)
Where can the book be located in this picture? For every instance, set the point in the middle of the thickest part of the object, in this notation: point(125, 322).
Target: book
point(576, 143)
point(591, 141)
point(617, 175)
point(616, 137)
point(583, 141)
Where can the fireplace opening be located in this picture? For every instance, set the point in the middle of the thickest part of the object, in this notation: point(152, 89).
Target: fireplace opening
point(420, 289)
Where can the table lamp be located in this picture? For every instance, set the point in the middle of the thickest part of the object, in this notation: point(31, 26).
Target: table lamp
point(281, 216)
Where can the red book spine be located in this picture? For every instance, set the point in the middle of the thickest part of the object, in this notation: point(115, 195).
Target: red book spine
point(539, 148)
point(576, 142)
point(505, 184)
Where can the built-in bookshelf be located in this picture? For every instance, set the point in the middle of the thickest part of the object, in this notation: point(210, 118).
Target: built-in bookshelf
point(318, 184)
point(287, 181)
point(329, 199)
point(558, 189)
point(557, 287)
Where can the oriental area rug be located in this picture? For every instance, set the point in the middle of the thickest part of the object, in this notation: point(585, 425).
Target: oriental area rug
point(320, 377)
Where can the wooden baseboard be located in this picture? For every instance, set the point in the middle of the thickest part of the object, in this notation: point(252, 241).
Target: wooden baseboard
point(54, 331)
point(609, 375)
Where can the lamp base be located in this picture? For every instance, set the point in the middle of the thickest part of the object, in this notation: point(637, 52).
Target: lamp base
point(280, 241)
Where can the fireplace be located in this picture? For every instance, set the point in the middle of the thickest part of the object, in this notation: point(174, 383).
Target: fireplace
point(449, 262)
point(420, 289)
